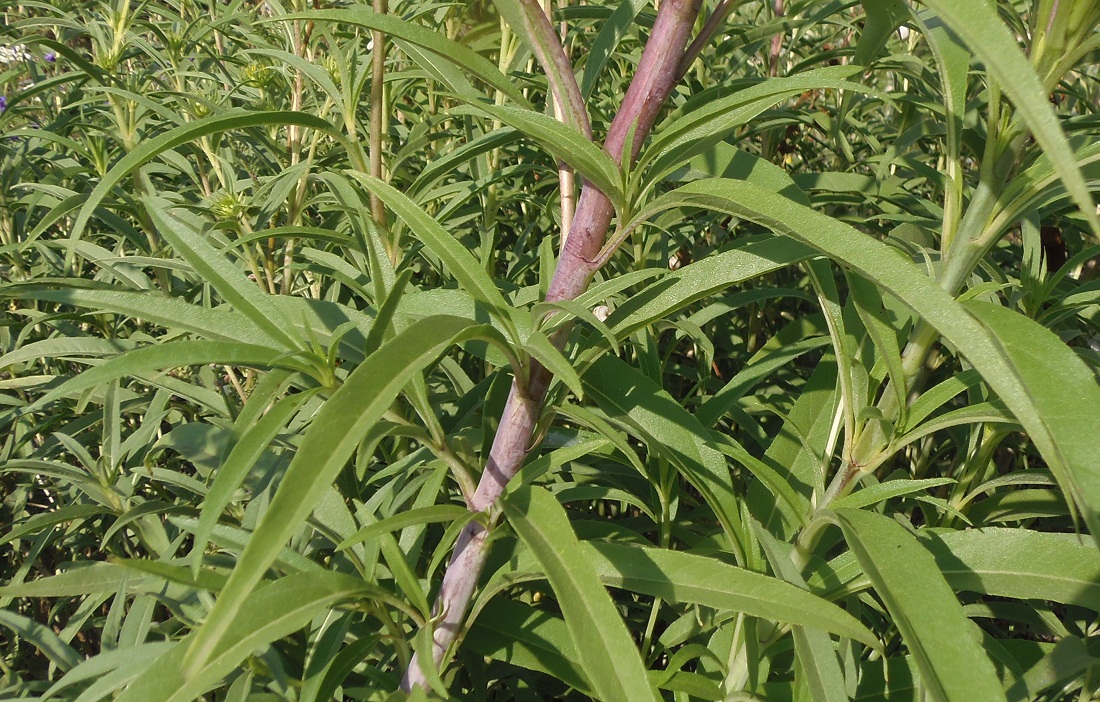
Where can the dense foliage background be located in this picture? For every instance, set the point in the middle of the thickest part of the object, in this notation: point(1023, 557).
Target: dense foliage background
point(817, 418)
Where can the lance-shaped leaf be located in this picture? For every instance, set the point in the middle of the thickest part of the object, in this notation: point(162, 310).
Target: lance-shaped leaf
point(983, 32)
point(953, 666)
point(565, 144)
point(148, 150)
point(604, 647)
point(433, 42)
point(456, 258)
point(331, 439)
point(676, 576)
point(212, 265)
point(1021, 360)
point(529, 21)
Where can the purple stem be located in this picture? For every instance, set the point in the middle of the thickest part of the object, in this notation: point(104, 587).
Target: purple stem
point(655, 77)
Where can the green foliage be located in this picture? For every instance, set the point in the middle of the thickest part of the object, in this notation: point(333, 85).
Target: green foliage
point(824, 425)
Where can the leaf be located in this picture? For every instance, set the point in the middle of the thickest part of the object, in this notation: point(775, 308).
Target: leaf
point(1055, 386)
point(331, 439)
point(218, 323)
point(604, 646)
point(173, 354)
point(543, 350)
point(233, 470)
point(422, 37)
point(1027, 381)
point(603, 47)
point(150, 149)
point(953, 667)
point(396, 522)
point(531, 22)
point(528, 637)
point(564, 144)
point(981, 29)
point(38, 522)
point(818, 668)
point(687, 135)
point(883, 18)
point(698, 280)
point(887, 491)
point(211, 264)
point(456, 258)
point(668, 429)
point(41, 637)
point(1019, 563)
point(273, 612)
point(686, 578)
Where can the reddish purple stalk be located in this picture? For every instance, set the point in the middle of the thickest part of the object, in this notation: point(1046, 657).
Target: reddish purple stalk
point(655, 77)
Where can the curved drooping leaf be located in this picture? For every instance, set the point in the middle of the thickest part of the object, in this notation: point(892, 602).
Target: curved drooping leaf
point(1019, 563)
point(273, 612)
point(212, 265)
point(676, 576)
point(150, 149)
point(604, 647)
point(953, 666)
point(1067, 438)
point(422, 37)
point(331, 439)
point(456, 258)
point(983, 32)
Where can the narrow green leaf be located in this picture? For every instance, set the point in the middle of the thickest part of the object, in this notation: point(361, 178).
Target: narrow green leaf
point(1055, 386)
point(150, 149)
point(686, 578)
point(607, 41)
point(604, 647)
point(174, 354)
point(698, 280)
point(38, 522)
point(1019, 563)
point(76, 581)
point(543, 350)
point(886, 491)
point(41, 637)
point(953, 666)
point(413, 517)
point(668, 429)
point(331, 439)
point(1044, 396)
point(242, 457)
point(982, 30)
point(457, 258)
point(211, 264)
point(695, 132)
point(273, 612)
point(564, 144)
point(883, 18)
point(219, 323)
point(530, 21)
point(422, 37)
point(530, 638)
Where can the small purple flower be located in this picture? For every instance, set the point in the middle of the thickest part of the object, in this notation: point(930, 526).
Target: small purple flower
point(3, 103)
point(50, 57)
